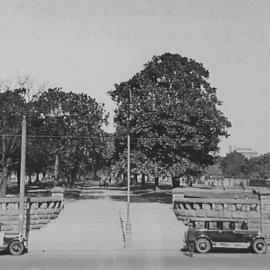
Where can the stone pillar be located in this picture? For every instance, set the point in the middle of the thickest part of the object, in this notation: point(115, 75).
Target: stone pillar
point(58, 193)
point(265, 214)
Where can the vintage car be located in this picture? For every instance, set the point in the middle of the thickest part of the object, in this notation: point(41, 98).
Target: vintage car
point(203, 235)
point(14, 243)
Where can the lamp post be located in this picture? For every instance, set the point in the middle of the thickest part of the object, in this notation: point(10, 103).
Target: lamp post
point(22, 178)
point(128, 242)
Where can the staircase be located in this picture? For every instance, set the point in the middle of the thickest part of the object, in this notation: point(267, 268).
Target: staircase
point(95, 224)
point(82, 226)
point(154, 227)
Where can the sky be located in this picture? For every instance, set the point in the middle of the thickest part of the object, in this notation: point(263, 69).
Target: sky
point(89, 45)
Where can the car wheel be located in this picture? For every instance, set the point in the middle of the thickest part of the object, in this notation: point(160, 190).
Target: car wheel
point(16, 248)
point(203, 245)
point(259, 246)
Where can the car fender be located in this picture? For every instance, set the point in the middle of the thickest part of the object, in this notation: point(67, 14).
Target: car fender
point(22, 240)
point(258, 237)
point(204, 236)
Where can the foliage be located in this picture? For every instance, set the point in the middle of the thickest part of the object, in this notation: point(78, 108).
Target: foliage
point(237, 166)
point(12, 107)
point(73, 124)
point(233, 165)
point(215, 170)
point(259, 167)
point(171, 112)
point(66, 125)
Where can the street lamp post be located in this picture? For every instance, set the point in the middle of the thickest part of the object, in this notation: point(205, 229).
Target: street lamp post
point(23, 152)
point(128, 242)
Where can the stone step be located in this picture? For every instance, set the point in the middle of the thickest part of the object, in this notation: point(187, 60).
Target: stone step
point(95, 224)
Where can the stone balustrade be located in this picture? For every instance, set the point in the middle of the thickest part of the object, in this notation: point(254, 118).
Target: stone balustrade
point(256, 211)
point(38, 212)
point(198, 208)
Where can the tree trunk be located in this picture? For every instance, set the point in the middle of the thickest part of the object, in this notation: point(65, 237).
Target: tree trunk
point(125, 178)
point(72, 179)
point(4, 175)
point(19, 177)
point(3, 184)
point(135, 179)
point(143, 180)
point(37, 177)
point(56, 169)
point(30, 180)
point(175, 182)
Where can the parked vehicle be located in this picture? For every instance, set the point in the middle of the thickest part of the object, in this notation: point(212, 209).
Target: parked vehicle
point(14, 243)
point(203, 235)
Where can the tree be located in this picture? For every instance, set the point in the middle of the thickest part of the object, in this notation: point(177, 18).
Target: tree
point(72, 125)
point(12, 108)
point(17, 99)
point(259, 167)
point(63, 130)
point(214, 171)
point(234, 165)
point(171, 112)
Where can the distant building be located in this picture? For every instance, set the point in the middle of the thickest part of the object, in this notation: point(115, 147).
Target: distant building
point(245, 151)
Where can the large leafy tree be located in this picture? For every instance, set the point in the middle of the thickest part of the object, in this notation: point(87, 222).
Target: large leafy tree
point(17, 100)
point(13, 106)
point(171, 112)
point(72, 125)
point(63, 131)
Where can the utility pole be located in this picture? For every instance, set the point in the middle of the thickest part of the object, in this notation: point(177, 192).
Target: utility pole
point(23, 156)
point(128, 242)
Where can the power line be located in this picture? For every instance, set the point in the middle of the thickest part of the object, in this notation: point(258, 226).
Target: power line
point(93, 137)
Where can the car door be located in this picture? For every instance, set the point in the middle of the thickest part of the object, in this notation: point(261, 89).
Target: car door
point(214, 232)
point(222, 233)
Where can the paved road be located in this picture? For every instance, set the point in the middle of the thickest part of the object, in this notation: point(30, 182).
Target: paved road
point(132, 260)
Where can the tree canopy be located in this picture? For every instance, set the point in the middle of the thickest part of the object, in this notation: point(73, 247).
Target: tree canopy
point(63, 133)
point(171, 111)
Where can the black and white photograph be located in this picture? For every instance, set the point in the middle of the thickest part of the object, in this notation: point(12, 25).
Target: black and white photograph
point(134, 134)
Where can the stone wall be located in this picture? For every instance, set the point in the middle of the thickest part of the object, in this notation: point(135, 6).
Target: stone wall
point(256, 211)
point(200, 208)
point(265, 214)
point(38, 212)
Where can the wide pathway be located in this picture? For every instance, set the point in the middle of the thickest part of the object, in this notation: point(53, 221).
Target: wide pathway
point(98, 224)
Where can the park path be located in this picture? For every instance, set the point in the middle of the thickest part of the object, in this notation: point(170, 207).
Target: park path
point(95, 224)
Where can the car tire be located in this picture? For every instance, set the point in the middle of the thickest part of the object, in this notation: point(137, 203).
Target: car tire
point(203, 245)
point(259, 246)
point(16, 248)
